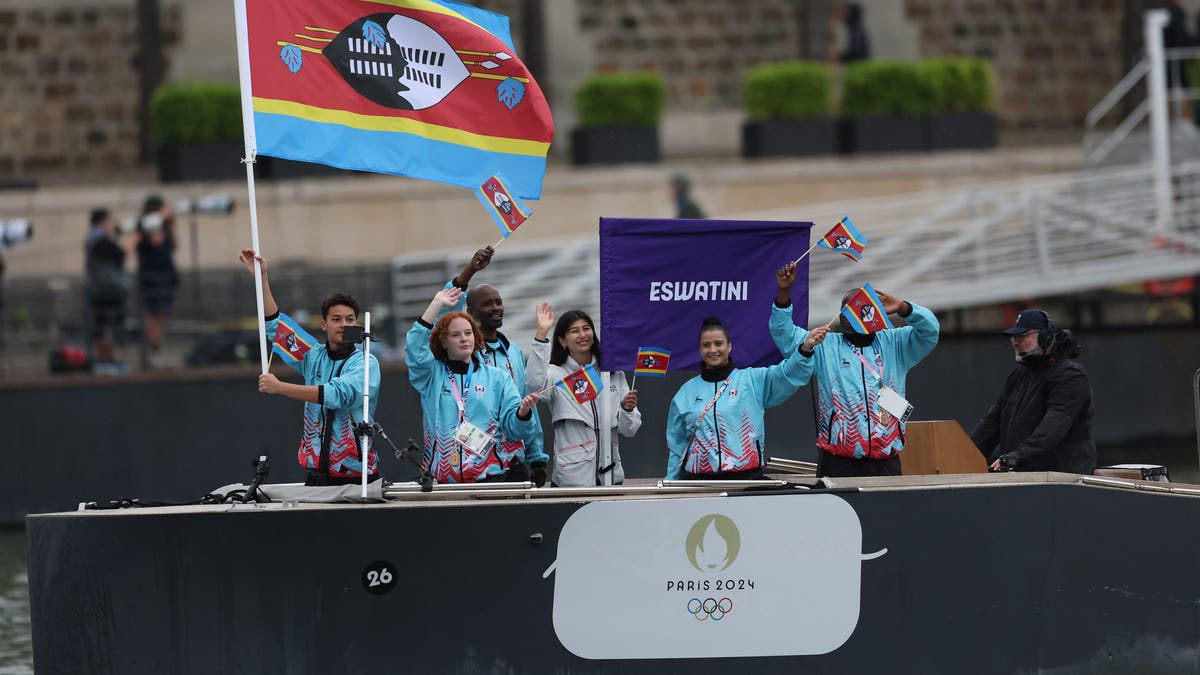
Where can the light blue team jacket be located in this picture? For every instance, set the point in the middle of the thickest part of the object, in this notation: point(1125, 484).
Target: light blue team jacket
point(491, 402)
point(847, 407)
point(341, 384)
point(731, 436)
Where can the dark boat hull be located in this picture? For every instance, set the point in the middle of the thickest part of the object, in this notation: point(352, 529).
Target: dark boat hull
point(986, 579)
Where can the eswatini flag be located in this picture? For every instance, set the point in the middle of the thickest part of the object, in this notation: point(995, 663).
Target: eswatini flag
point(291, 341)
point(652, 362)
point(505, 209)
point(421, 88)
point(844, 238)
point(583, 384)
point(864, 312)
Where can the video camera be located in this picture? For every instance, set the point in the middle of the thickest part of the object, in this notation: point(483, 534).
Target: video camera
point(220, 203)
point(15, 231)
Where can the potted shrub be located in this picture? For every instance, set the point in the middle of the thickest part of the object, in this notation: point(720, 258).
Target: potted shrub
point(960, 90)
point(618, 118)
point(198, 127)
point(882, 106)
point(788, 109)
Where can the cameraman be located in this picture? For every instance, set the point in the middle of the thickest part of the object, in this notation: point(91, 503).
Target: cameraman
point(106, 284)
point(1042, 420)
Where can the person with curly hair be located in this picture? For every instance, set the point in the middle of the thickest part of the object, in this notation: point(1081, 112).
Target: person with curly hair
point(466, 405)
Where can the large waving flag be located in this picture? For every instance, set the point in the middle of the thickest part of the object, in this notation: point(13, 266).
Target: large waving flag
point(844, 238)
point(583, 384)
point(291, 341)
point(423, 88)
point(864, 312)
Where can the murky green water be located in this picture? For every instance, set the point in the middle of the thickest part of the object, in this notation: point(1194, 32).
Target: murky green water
point(16, 644)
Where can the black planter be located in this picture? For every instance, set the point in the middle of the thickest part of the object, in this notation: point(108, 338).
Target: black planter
point(790, 138)
point(614, 145)
point(277, 168)
point(951, 130)
point(885, 133)
point(221, 160)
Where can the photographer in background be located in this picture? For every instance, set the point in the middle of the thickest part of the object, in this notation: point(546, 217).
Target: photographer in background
point(1042, 420)
point(157, 277)
point(106, 287)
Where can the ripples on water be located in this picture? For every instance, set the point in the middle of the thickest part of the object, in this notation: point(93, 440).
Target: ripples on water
point(16, 643)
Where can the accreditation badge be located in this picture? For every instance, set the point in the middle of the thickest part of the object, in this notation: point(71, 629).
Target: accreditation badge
point(893, 404)
point(473, 438)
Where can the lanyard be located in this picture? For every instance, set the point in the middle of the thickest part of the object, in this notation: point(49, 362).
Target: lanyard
point(711, 403)
point(878, 374)
point(460, 398)
point(487, 361)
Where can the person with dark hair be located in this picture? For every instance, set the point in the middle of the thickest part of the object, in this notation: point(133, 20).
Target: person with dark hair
point(1042, 419)
point(577, 425)
point(856, 435)
point(485, 305)
point(156, 274)
point(466, 405)
point(332, 391)
point(715, 426)
point(106, 287)
point(858, 45)
point(681, 193)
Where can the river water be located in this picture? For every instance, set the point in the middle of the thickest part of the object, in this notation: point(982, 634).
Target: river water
point(16, 643)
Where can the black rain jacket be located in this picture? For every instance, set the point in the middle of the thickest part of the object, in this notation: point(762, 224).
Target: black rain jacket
point(1043, 417)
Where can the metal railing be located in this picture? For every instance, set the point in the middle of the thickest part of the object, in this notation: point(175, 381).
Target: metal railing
point(946, 249)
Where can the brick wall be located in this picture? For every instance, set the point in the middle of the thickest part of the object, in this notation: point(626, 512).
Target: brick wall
point(1054, 59)
point(701, 47)
point(69, 88)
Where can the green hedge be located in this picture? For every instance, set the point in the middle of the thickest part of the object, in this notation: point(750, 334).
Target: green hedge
point(196, 113)
point(884, 88)
point(618, 99)
point(792, 90)
point(957, 84)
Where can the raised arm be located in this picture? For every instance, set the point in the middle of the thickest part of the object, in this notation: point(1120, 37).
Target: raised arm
point(920, 336)
point(481, 259)
point(784, 332)
point(537, 367)
point(247, 259)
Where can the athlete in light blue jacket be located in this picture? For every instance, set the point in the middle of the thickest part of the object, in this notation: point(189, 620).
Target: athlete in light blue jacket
point(715, 426)
point(465, 405)
point(484, 304)
point(332, 391)
point(851, 371)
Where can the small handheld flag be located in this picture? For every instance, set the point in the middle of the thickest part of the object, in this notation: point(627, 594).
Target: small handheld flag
point(844, 238)
point(502, 206)
point(864, 312)
point(652, 362)
point(583, 384)
point(291, 341)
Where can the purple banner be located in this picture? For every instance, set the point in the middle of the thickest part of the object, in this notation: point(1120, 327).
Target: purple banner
point(660, 278)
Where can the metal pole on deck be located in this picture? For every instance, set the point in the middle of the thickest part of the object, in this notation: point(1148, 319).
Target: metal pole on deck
point(365, 462)
point(1156, 86)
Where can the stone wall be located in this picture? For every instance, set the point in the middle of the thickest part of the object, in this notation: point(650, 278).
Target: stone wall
point(69, 88)
point(1054, 59)
point(702, 48)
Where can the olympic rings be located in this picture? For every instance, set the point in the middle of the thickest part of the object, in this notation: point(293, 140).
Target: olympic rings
point(709, 608)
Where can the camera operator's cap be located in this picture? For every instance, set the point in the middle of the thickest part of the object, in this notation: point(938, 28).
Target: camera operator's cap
point(1027, 320)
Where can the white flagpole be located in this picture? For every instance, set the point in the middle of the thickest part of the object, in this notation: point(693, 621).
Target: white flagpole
point(243, 46)
point(604, 452)
point(366, 418)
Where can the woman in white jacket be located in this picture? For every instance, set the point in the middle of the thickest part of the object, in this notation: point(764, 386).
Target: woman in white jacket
point(576, 425)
